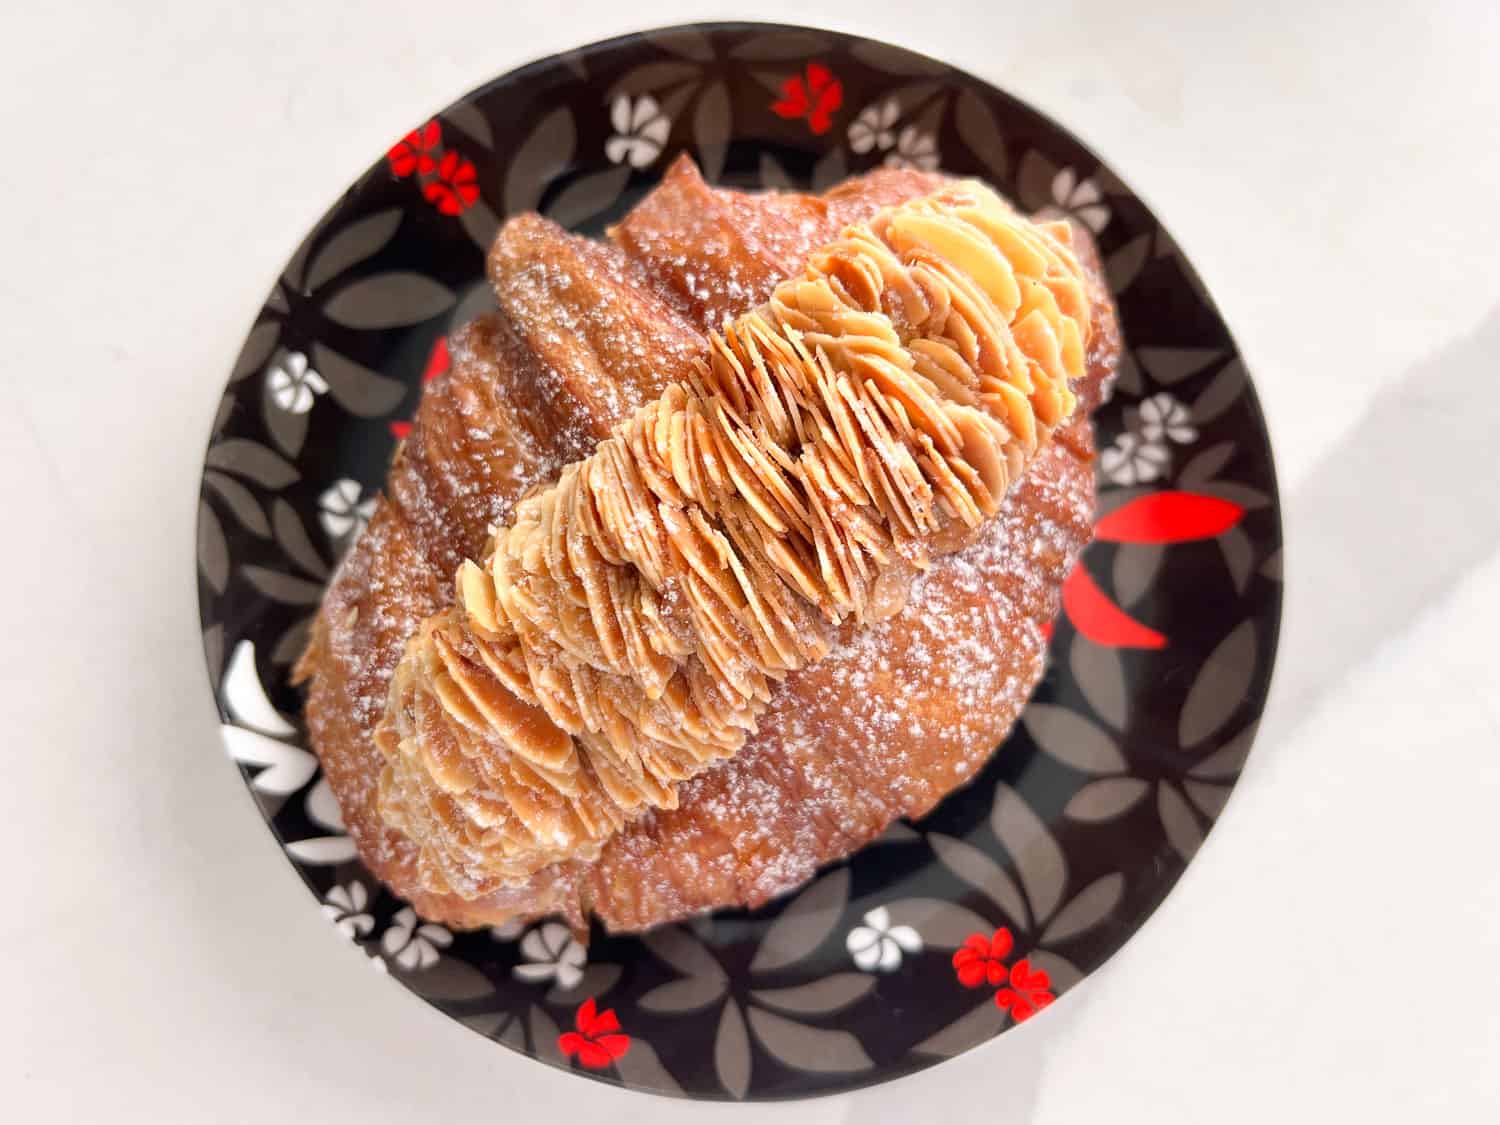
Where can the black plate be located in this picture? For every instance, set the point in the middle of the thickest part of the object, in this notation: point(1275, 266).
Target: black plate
point(1078, 827)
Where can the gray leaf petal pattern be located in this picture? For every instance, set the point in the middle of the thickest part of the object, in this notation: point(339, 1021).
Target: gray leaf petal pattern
point(1239, 556)
point(355, 387)
point(452, 979)
point(1101, 676)
point(544, 1036)
point(513, 1034)
point(292, 643)
point(241, 501)
point(777, 45)
point(979, 130)
point(1128, 377)
point(288, 429)
point(213, 551)
point(1170, 366)
point(1037, 857)
point(1241, 494)
point(686, 994)
point(480, 224)
point(652, 78)
point(979, 870)
point(831, 168)
point(687, 42)
point(981, 1023)
point(588, 195)
point(1271, 568)
point(476, 300)
point(293, 539)
point(804, 924)
point(1229, 759)
point(642, 1068)
point(1072, 739)
point(943, 925)
point(1106, 799)
point(1220, 687)
point(893, 60)
point(827, 994)
point(1220, 394)
point(1135, 570)
point(1087, 909)
point(283, 587)
point(685, 953)
point(1177, 820)
point(1207, 465)
point(546, 152)
point(899, 832)
point(258, 348)
point(801, 1047)
point(1209, 797)
point(213, 654)
point(674, 101)
point(1034, 180)
point(361, 239)
point(251, 460)
point(1125, 265)
point(732, 1051)
point(711, 131)
point(471, 122)
point(388, 300)
point(772, 174)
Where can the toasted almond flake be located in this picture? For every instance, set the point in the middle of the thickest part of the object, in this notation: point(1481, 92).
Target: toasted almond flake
point(626, 630)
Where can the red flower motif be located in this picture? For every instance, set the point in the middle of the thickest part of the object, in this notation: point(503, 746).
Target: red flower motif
point(1157, 517)
point(1169, 517)
point(416, 152)
point(597, 1041)
point(981, 960)
point(437, 363)
point(1027, 994)
point(1098, 618)
point(815, 97)
point(456, 187)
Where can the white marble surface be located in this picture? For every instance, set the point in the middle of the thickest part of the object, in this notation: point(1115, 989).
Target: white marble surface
point(1334, 171)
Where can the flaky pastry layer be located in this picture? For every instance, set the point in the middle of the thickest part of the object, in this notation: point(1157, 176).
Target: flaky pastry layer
point(628, 627)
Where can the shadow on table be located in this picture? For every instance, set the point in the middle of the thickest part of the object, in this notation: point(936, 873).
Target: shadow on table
point(1389, 520)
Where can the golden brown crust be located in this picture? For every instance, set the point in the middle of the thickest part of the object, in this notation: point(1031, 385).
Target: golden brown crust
point(625, 632)
point(793, 798)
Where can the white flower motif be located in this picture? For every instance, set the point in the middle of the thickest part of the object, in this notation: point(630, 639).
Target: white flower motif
point(640, 130)
point(1133, 460)
point(377, 963)
point(1080, 198)
point(345, 908)
point(874, 126)
point(293, 384)
point(877, 945)
point(341, 511)
point(914, 149)
point(1162, 416)
point(414, 946)
point(551, 954)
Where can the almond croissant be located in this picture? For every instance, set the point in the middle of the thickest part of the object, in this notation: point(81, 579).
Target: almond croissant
point(613, 668)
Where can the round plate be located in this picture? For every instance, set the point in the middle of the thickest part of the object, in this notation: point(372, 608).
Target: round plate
point(944, 933)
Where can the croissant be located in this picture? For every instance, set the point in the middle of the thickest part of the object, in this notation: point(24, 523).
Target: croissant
point(766, 591)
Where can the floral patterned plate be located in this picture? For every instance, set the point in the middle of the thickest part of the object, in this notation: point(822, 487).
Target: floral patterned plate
point(943, 933)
